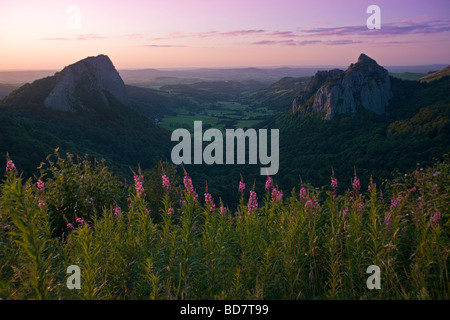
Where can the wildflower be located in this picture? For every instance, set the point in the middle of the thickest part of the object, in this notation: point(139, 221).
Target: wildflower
point(166, 183)
point(189, 187)
point(241, 186)
point(170, 211)
point(117, 211)
point(223, 210)
point(10, 167)
point(269, 183)
point(308, 203)
point(395, 202)
point(302, 192)
point(252, 202)
point(40, 185)
point(334, 183)
point(361, 207)
point(436, 217)
point(70, 226)
point(209, 201)
point(356, 184)
point(277, 195)
point(139, 185)
point(436, 173)
point(82, 222)
point(41, 203)
point(345, 211)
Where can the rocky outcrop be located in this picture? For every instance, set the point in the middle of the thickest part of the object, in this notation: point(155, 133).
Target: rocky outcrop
point(364, 84)
point(86, 84)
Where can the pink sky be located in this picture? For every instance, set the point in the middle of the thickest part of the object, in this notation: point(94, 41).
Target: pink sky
point(221, 33)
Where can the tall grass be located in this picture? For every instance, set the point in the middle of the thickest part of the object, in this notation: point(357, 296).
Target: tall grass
point(313, 244)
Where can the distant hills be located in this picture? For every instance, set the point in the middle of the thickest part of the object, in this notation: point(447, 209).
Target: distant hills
point(436, 75)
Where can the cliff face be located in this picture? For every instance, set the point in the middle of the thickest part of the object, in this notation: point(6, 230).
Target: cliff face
point(364, 84)
point(85, 84)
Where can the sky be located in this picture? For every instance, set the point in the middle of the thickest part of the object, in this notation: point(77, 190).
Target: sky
point(48, 35)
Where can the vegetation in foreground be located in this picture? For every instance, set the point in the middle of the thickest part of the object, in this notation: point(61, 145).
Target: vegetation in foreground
point(155, 238)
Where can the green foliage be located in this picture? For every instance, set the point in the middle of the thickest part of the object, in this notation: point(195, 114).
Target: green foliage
point(78, 189)
point(316, 244)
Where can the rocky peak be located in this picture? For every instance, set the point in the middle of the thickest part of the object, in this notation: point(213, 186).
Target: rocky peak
point(364, 84)
point(362, 58)
point(87, 84)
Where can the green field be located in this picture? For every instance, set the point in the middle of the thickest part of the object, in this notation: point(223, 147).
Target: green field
point(225, 115)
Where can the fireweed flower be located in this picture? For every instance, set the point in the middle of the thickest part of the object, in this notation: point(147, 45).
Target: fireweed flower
point(166, 183)
point(41, 203)
point(302, 192)
point(82, 222)
point(209, 201)
point(436, 217)
point(40, 185)
point(139, 185)
point(356, 184)
point(308, 203)
point(241, 186)
point(345, 212)
point(395, 202)
point(252, 202)
point(277, 195)
point(170, 211)
point(361, 207)
point(334, 183)
point(269, 183)
point(188, 186)
point(10, 167)
point(70, 226)
point(117, 211)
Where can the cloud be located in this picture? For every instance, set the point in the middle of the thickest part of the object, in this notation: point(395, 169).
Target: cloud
point(56, 39)
point(162, 46)
point(241, 32)
point(387, 29)
point(90, 36)
point(288, 42)
point(341, 42)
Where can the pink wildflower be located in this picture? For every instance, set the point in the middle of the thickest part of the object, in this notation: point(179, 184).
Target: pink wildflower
point(436, 217)
point(241, 186)
point(70, 226)
point(82, 222)
point(189, 187)
point(40, 185)
point(139, 185)
point(334, 183)
point(356, 184)
point(117, 211)
point(209, 201)
point(252, 202)
point(41, 203)
point(361, 206)
point(302, 192)
point(269, 183)
point(10, 167)
point(166, 183)
point(170, 211)
point(277, 195)
point(395, 202)
point(345, 212)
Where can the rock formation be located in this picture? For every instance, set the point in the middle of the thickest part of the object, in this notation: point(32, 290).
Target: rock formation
point(364, 84)
point(85, 84)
